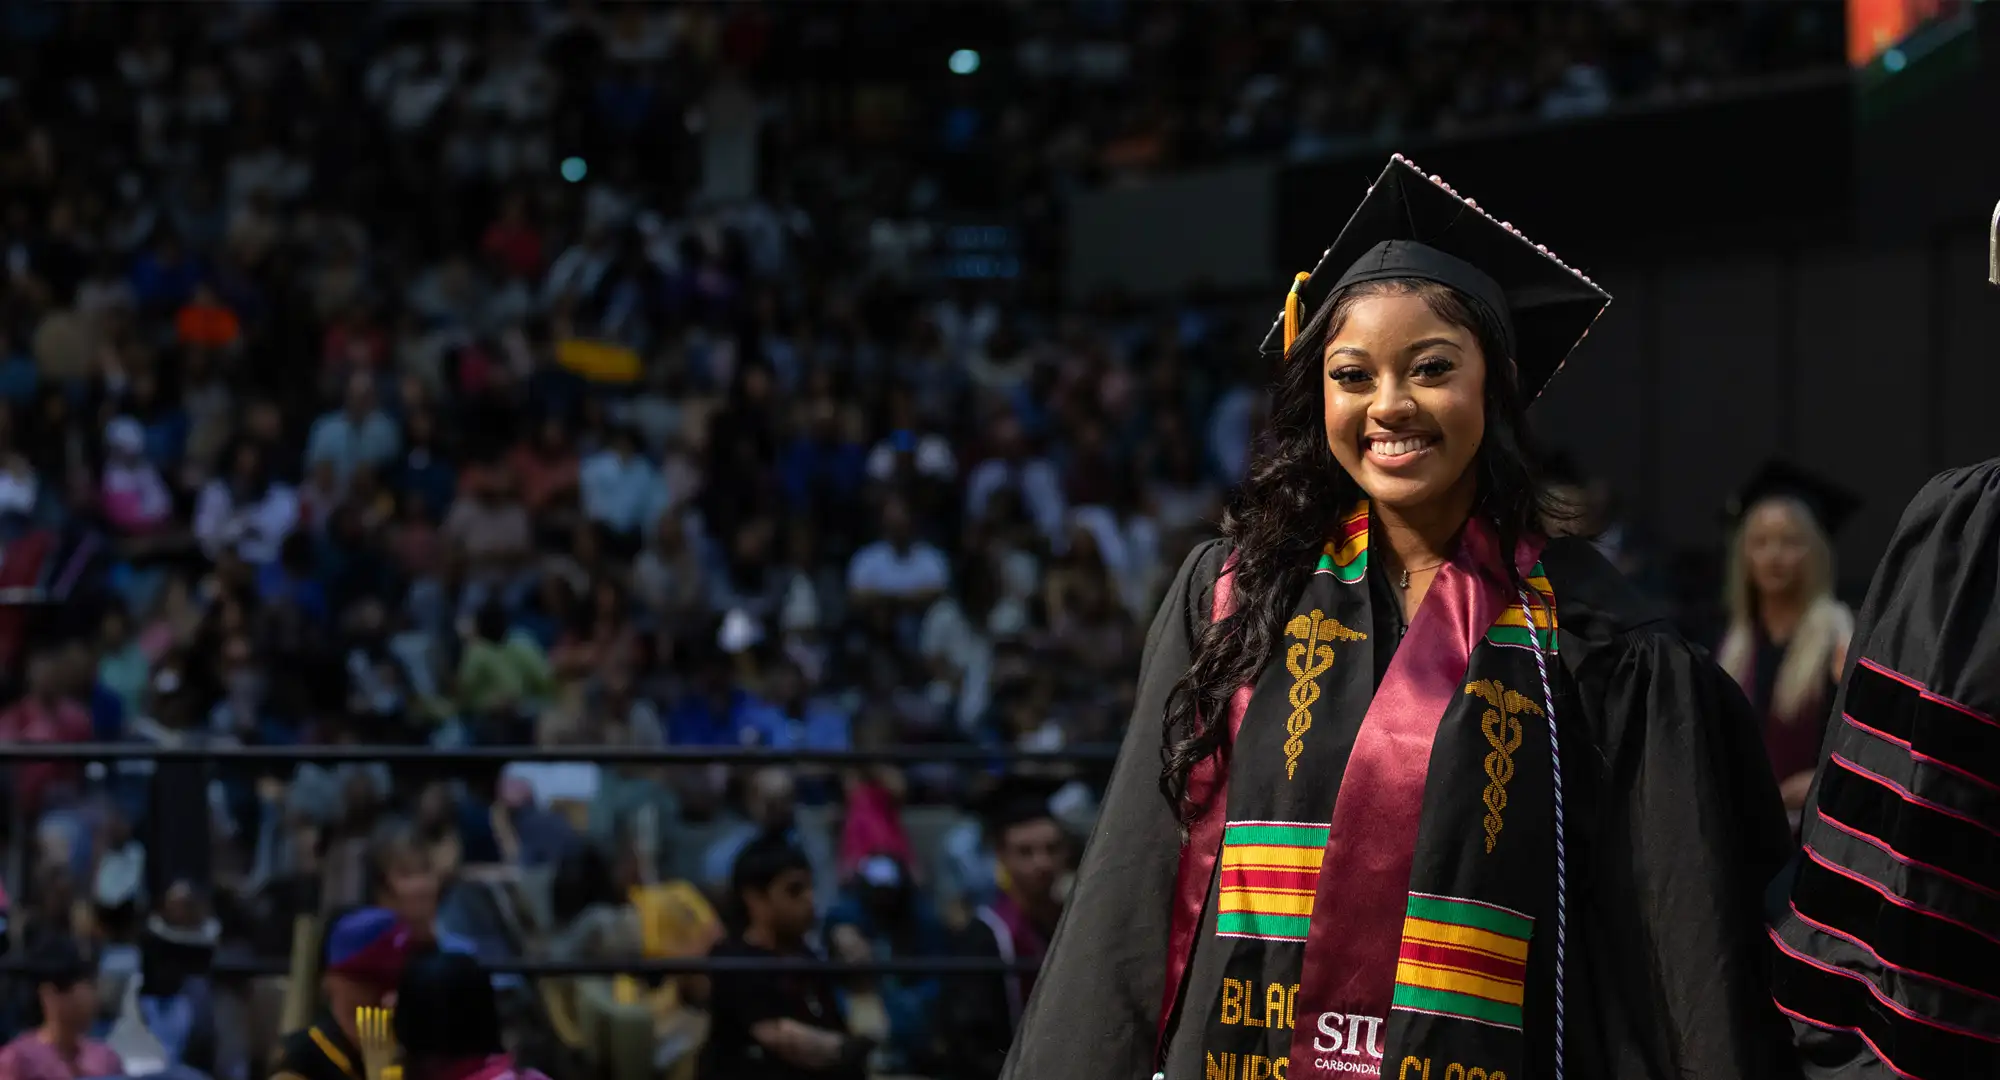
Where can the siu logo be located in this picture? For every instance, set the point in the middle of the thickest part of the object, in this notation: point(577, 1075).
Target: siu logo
point(1348, 1045)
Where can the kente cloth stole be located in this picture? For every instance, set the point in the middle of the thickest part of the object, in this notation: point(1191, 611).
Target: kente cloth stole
point(1380, 925)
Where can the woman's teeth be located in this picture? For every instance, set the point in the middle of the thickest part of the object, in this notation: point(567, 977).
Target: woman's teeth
point(1399, 447)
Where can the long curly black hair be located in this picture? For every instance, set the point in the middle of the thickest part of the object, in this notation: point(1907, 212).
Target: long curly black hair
point(1293, 497)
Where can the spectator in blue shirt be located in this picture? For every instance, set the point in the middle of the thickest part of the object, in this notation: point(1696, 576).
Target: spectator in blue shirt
point(622, 490)
point(358, 436)
point(163, 277)
point(801, 720)
point(424, 471)
point(293, 580)
point(165, 421)
point(19, 376)
point(823, 469)
point(881, 916)
point(717, 712)
point(107, 710)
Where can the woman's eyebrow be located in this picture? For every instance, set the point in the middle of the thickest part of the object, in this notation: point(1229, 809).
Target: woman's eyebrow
point(1360, 353)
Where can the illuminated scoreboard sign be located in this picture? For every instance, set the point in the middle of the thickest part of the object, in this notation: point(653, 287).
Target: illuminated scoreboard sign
point(1881, 30)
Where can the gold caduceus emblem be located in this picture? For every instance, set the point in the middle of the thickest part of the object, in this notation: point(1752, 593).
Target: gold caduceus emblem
point(1307, 659)
point(1502, 727)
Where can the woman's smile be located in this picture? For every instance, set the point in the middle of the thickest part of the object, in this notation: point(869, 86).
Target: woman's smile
point(1397, 450)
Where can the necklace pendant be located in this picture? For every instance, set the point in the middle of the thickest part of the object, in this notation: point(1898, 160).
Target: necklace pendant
point(1405, 583)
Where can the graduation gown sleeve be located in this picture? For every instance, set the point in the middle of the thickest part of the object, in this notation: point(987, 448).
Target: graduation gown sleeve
point(1682, 834)
point(1094, 1013)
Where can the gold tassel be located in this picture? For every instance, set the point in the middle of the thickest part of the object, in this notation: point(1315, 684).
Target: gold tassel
point(1292, 310)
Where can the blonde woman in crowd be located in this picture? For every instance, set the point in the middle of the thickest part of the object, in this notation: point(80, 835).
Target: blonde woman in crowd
point(1787, 637)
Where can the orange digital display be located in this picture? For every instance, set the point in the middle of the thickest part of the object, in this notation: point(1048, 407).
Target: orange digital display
point(1873, 26)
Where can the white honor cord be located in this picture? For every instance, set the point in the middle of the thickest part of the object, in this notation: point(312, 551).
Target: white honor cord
point(1562, 860)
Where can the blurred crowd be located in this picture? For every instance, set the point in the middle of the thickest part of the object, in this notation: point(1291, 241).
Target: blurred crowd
point(1118, 87)
point(543, 374)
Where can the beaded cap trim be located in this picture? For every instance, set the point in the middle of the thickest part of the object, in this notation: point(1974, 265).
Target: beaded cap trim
point(1543, 249)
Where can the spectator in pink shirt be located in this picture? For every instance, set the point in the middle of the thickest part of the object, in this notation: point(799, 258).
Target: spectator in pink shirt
point(134, 496)
point(45, 714)
point(66, 986)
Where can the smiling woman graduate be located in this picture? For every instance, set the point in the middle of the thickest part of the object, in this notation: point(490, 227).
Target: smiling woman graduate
point(1444, 798)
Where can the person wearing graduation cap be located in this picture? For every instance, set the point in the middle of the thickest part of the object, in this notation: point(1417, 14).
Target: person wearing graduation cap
point(1787, 636)
point(1443, 798)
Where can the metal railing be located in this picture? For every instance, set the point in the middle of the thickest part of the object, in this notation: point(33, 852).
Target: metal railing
point(943, 753)
point(245, 967)
point(230, 964)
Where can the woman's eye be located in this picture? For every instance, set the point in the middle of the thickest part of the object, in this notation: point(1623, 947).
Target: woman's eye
point(1434, 368)
point(1348, 376)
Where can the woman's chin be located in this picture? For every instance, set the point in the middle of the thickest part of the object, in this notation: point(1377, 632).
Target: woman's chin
point(1405, 493)
point(1775, 586)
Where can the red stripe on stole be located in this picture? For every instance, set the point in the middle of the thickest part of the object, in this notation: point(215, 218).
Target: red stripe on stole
point(1352, 528)
point(1299, 880)
point(1493, 967)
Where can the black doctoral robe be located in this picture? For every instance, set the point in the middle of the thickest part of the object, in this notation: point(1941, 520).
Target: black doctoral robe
point(1674, 830)
point(1889, 948)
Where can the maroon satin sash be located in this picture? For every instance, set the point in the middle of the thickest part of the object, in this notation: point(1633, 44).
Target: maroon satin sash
point(1363, 886)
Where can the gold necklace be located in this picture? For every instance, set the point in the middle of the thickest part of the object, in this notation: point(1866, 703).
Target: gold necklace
point(1405, 582)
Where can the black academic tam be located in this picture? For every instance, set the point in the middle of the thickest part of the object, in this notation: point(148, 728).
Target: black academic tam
point(1829, 502)
point(1413, 225)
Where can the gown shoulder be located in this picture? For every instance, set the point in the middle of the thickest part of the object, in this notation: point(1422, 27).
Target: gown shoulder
point(1596, 605)
point(1639, 682)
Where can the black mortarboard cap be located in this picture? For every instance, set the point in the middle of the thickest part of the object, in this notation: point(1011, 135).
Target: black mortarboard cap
point(1413, 225)
point(1831, 503)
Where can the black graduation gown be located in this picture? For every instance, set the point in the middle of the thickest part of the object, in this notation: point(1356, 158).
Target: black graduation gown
point(1675, 828)
point(1890, 945)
